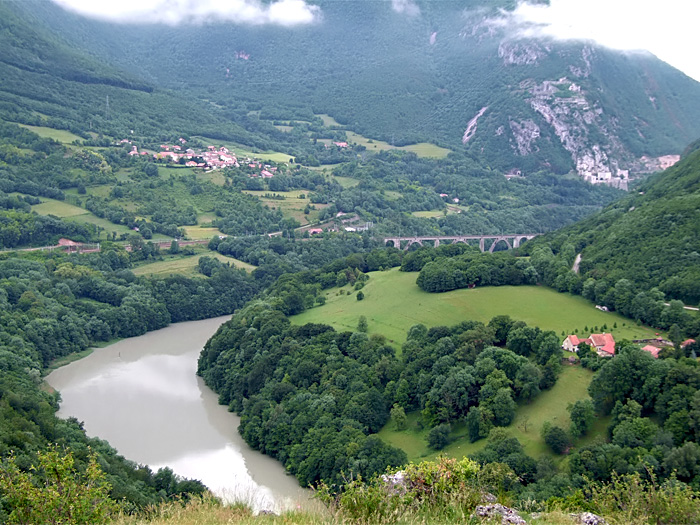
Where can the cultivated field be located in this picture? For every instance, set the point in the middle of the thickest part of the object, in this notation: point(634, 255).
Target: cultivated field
point(393, 303)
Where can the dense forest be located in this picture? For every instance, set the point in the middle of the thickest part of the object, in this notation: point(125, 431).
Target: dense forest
point(647, 240)
point(56, 305)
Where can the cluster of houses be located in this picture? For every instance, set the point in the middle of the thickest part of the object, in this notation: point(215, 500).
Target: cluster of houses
point(604, 344)
point(211, 158)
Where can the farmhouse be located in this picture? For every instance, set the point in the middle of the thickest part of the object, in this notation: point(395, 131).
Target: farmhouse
point(653, 350)
point(603, 343)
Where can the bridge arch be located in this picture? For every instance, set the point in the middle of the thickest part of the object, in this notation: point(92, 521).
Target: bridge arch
point(497, 240)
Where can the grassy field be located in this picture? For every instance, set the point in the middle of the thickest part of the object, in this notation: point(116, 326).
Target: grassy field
point(329, 121)
point(422, 149)
point(393, 303)
point(428, 214)
point(197, 232)
point(346, 182)
point(245, 151)
point(57, 208)
point(550, 405)
point(292, 205)
point(185, 265)
point(60, 135)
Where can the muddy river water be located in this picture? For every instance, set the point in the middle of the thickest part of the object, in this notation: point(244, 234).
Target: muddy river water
point(142, 395)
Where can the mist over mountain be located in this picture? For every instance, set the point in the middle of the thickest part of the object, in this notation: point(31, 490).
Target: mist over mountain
point(448, 72)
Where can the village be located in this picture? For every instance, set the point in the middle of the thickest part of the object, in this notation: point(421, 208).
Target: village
point(210, 159)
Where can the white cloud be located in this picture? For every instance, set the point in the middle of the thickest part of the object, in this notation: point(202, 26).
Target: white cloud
point(174, 12)
point(666, 29)
point(406, 7)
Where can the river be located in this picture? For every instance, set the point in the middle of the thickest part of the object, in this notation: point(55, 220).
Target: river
point(143, 396)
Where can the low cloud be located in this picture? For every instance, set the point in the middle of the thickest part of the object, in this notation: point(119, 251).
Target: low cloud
point(666, 29)
point(175, 12)
point(407, 7)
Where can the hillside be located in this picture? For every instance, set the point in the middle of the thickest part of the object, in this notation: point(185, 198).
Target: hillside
point(650, 237)
point(473, 86)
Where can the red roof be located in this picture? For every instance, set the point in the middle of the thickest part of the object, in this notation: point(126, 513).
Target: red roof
point(67, 242)
point(687, 342)
point(652, 350)
point(604, 342)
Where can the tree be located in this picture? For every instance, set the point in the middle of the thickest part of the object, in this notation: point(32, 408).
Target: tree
point(362, 324)
point(503, 407)
point(398, 416)
point(555, 437)
point(174, 247)
point(59, 494)
point(582, 416)
point(439, 436)
point(360, 295)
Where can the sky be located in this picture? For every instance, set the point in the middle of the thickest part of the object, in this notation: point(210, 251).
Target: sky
point(666, 28)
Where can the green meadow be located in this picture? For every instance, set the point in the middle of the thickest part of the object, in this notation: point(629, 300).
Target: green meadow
point(178, 265)
point(57, 208)
point(292, 205)
point(422, 149)
point(393, 303)
point(550, 405)
point(59, 135)
point(245, 151)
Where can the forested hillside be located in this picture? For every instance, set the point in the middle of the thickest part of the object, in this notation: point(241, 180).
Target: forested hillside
point(473, 85)
point(648, 239)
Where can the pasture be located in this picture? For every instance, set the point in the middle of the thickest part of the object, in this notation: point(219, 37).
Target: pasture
point(550, 405)
point(346, 182)
point(59, 135)
point(185, 265)
point(393, 303)
point(57, 208)
point(422, 149)
point(291, 205)
point(198, 232)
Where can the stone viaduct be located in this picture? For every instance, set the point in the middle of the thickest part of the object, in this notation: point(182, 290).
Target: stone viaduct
point(511, 240)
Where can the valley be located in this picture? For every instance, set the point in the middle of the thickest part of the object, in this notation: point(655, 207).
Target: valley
point(197, 220)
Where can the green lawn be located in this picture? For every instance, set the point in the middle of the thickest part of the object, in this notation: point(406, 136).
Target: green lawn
point(550, 405)
point(393, 303)
point(58, 208)
point(185, 265)
point(59, 135)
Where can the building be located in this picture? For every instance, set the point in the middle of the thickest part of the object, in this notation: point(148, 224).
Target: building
point(603, 343)
point(654, 351)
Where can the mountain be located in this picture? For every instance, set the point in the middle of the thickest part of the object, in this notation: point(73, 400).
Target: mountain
point(649, 238)
point(448, 72)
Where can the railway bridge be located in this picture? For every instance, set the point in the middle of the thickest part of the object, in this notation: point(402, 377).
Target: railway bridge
point(511, 240)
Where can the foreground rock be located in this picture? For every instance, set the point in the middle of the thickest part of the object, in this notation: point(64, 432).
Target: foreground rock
point(508, 516)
